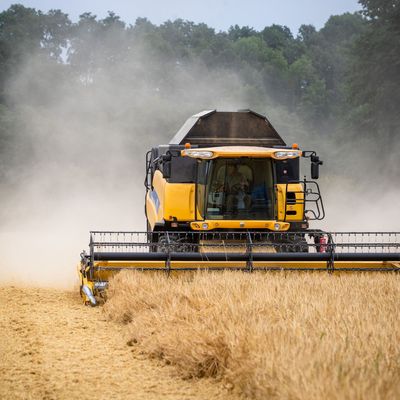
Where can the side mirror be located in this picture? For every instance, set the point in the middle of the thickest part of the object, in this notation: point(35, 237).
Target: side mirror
point(314, 171)
point(167, 169)
point(315, 163)
point(166, 165)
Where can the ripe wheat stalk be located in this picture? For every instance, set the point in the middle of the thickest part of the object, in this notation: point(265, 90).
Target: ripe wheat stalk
point(276, 335)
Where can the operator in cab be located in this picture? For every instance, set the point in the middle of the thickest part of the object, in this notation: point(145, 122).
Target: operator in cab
point(236, 186)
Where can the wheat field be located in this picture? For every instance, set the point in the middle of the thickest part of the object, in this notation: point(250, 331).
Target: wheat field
point(269, 336)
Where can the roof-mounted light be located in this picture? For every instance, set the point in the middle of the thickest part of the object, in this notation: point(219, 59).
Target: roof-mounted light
point(198, 153)
point(283, 155)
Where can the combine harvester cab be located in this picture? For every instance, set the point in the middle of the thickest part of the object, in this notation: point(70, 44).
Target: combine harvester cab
point(226, 193)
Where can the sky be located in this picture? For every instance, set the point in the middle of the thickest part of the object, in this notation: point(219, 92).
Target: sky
point(219, 14)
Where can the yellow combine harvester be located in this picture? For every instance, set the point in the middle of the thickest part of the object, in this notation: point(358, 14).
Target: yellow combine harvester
point(226, 193)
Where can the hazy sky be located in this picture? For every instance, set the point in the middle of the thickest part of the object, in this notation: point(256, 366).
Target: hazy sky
point(219, 14)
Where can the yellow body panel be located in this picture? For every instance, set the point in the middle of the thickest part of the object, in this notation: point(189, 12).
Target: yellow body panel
point(201, 193)
point(83, 280)
point(170, 201)
point(179, 203)
point(151, 211)
point(296, 210)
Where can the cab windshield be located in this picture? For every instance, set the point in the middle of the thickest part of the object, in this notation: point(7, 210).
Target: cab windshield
point(235, 189)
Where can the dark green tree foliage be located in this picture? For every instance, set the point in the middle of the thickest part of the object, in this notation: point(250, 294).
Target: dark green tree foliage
point(26, 31)
point(374, 79)
point(307, 35)
point(329, 53)
point(353, 60)
point(237, 32)
point(55, 34)
point(95, 43)
point(187, 38)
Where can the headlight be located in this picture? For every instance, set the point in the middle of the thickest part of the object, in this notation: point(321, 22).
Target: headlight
point(198, 153)
point(205, 226)
point(277, 227)
point(281, 155)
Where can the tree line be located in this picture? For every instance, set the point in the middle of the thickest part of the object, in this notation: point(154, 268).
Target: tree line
point(347, 73)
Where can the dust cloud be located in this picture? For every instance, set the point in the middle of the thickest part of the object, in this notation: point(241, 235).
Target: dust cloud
point(78, 158)
point(360, 183)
